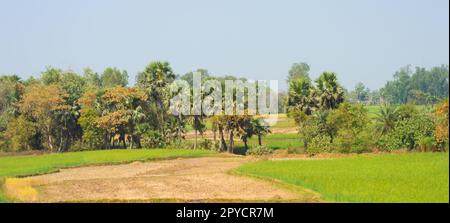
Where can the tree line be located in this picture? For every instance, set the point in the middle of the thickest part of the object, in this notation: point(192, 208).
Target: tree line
point(331, 120)
point(64, 111)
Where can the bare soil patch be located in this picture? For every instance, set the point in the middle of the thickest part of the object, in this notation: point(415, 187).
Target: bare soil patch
point(186, 180)
point(209, 134)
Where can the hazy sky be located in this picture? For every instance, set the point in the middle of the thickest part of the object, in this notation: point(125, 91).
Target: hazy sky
point(361, 40)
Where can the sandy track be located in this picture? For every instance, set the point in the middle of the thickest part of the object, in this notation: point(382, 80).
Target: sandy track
point(188, 180)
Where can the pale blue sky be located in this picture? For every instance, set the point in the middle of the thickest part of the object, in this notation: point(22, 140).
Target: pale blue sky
point(361, 40)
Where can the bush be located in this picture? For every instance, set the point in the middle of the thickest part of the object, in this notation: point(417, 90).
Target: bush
point(259, 151)
point(427, 144)
point(320, 144)
point(80, 146)
point(206, 144)
point(348, 141)
point(408, 133)
point(153, 139)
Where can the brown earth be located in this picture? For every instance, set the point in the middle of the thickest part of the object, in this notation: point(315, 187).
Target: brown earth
point(209, 134)
point(184, 180)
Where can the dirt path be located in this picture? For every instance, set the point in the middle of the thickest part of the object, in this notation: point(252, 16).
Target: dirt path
point(187, 180)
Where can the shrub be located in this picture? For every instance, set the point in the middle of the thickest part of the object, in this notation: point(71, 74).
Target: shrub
point(408, 133)
point(80, 146)
point(153, 139)
point(206, 144)
point(349, 142)
point(320, 144)
point(426, 144)
point(259, 151)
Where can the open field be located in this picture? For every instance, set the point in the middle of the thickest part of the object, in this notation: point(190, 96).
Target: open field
point(418, 177)
point(180, 180)
point(33, 165)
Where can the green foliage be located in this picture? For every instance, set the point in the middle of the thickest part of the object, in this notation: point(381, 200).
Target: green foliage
point(344, 129)
point(301, 96)
point(408, 133)
point(412, 177)
point(298, 71)
point(51, 76)
point(259, 151)
point(153, 139)
point(113, 77)
point(320, 144)
point(21, 133)
point(360, 94)
point(421, 86)
point(406, 111)
point(329, 92)
point(386, 119)
point(206, 144)
point(93, 137)
point(91, 78)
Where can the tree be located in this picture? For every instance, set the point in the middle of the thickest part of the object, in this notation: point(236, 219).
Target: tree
point(122, 112)
point(348, 122)
point(51, 76)
point(93, 136)
point(298, 71)
point(155, 79)
point(91, 78)
point(420, 86)
point(113, 77)
point(361, 92)
point(198, 126)
point(301, 96)
point(329, 93)
point(40, 103)
point(259, 129)
point(386, 119)
point(22, 133)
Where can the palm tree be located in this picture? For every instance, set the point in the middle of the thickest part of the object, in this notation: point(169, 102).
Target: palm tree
point(259, 129)
point(301, 96)
point(329, 93)
point(386, 118)
point(156, 79)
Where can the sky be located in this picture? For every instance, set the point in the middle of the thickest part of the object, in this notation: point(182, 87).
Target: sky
point(361, 40)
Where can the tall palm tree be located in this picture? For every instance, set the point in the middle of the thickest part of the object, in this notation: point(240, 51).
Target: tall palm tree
point(156, 79)
point(301, 96)
point(329, 93)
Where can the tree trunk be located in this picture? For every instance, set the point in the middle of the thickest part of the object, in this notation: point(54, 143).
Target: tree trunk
point(259, 140)
point(223, 144)
point(245, 144)
point(230, 146)
point(131, 141)
point(195, 143)
point(214, 138)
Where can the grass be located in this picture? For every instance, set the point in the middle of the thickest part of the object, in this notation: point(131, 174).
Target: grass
point(276, 141)
point(416, 177)
point(15, 166)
